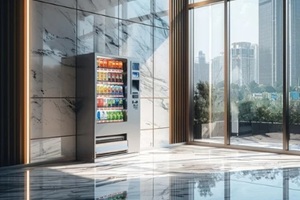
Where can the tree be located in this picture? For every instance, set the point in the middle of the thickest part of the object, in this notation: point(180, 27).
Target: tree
point(294, 112)
point(246, 111)
point(201, 103)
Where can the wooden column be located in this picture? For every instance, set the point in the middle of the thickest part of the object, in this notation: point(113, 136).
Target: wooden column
point(179, 72)
point(12, 77)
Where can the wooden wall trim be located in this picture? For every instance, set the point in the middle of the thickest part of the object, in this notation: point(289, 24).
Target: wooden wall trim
point(179, 72)
point(11, 82)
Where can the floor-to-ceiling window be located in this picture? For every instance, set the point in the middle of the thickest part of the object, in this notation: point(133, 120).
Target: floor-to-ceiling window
point(256, 63)
point(245, 66)
point(207, 53)
point(294, 74)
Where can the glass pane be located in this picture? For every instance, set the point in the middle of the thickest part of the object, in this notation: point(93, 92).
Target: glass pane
point(294, 45)
point(207, 45)
point(256, 73)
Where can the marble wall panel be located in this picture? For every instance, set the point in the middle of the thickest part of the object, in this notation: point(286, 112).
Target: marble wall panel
point(161, 113)
point(67, 3)
point(103, 7)
point(136, 11)
point(161, 62)
point(161, 137)
point(161, 13)
point(52, 117)
point(136, 42)
point(53, 37)
point(60, 148)
point(146, 139)
point(97, 33)
point(146, 113)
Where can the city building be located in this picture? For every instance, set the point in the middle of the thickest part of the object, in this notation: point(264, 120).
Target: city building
point(217, 69)
point(270, 42)
point(294, 7)
point(243, 63)
point(201, 68)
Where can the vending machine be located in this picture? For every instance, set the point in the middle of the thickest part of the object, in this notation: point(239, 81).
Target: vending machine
point(108, 106)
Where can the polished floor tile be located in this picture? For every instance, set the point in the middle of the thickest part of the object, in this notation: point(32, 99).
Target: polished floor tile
point(180, 172)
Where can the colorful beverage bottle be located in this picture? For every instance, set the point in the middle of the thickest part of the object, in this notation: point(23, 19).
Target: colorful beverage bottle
point(109, 115)
point(120, 102)
point(100, 102)
point(113, 77)
point(110, 64)
point(118, 115)
point(121, 116)
point(118, 90)
point(108, 76)
point(112, 116)
point(98, 63)
point(116, 102)
point(98, 89)
point(103, 115)
point(104, 61)
point(105, 76)
point(111, 90)
point(98, 115)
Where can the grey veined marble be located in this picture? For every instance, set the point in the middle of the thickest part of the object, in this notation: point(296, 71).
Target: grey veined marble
point(97, 33)
point(146, 113)
point(103, 7)
point(136, 41)
point(53, 37)
point(52, 117)
point(178, 172)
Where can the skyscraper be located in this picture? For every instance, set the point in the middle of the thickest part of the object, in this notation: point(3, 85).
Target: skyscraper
point(256, 62)
point(242, 63)
point(217, 71)
point(294, 43)
point(201, 69)
point(270, 42)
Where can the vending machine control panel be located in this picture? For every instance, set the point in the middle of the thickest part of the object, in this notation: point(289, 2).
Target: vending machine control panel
point(135, 83)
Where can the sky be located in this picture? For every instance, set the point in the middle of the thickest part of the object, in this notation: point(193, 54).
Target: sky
point(209, 26)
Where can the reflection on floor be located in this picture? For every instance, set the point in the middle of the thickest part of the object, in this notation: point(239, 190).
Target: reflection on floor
point(180, 172)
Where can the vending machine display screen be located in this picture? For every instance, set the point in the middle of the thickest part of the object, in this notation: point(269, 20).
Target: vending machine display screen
point(135, 66)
